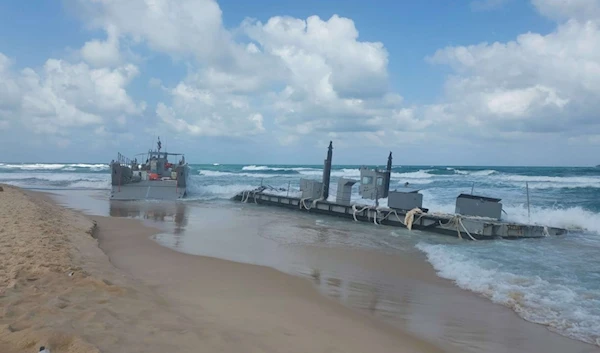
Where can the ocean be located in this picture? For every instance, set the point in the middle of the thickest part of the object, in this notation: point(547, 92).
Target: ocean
point(553, 281)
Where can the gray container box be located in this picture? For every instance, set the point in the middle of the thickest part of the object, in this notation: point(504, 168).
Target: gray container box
point(405, 199)
point(480, 206)
point(311, 189)
point(344, 191)
point(372, 184)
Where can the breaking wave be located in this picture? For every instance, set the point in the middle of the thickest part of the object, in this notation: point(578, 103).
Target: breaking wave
point(57, 181)
point(535, 283)
point(4, 167)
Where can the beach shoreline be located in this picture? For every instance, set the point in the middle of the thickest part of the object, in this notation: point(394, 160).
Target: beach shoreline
point(187, 300)
point(138, 296)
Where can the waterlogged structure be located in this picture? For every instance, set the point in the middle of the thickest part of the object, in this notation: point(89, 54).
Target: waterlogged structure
point(156, 179)
point(476, 217)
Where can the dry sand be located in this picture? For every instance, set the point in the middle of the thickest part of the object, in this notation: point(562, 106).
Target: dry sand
point(59, 289)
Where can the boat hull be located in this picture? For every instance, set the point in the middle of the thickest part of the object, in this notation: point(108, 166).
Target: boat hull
point(148, 190)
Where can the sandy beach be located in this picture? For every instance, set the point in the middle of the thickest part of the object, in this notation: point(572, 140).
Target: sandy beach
point(60, 290)
point(94, 283)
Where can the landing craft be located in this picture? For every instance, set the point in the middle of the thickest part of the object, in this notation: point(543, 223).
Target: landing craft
point(155, 179)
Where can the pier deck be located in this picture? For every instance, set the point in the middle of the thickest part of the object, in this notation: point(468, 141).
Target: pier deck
point(466, 227)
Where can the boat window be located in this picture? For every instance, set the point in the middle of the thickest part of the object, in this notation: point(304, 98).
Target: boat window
point(367, 180)
point(379, 181)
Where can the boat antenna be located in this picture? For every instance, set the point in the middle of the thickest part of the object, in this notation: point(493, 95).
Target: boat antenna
point(159, 144)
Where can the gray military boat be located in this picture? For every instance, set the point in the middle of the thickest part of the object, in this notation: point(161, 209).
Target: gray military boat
point(156, 179)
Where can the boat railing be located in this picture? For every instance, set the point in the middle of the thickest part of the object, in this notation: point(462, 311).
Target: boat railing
point(122, 160)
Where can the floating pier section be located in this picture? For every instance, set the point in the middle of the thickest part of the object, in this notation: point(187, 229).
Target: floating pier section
point(475, 218)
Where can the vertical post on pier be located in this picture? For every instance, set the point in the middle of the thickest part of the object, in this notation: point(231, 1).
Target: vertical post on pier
point(327, 172)
point(288, 190)
point(386, 187)
point(528, 210)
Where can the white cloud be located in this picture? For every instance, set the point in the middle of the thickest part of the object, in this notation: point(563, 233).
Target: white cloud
point(330, 79)
point(537, 83)
point(62, 95)
point(324, 56)
point(299, 78)
point(10, 91)
point(581, 10)
point(202, 113)
point(177, 27)
point(103, 53)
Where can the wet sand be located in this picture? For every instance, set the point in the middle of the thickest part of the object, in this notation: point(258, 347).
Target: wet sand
point(129, 294)
point(376, 274)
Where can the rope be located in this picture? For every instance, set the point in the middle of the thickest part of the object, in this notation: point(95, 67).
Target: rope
point(302, 203)
point(390, 211)
point(456, 221)
point(409, 218)
point(246, 195)
point(354, 211)
point(465, 228)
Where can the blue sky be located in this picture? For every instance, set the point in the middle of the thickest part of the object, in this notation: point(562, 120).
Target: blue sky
point(489, 82)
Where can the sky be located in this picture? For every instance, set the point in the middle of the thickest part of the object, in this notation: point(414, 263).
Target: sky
point(437, 82)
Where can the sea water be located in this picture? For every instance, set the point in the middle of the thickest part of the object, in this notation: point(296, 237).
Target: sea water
point(552, 281)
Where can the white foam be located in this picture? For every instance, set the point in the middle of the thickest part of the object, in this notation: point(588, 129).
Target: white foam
point(263, 167)
point(355, 173)
point(420, 174)
point(215, 173)
point(568, 309)
point(343, 173)
point(54, 166)
point(255, 168)
point(575, 218)
point(485, 172)
point(93, 167)
point(57, 180)
point(35, 166)
point(549, 182)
